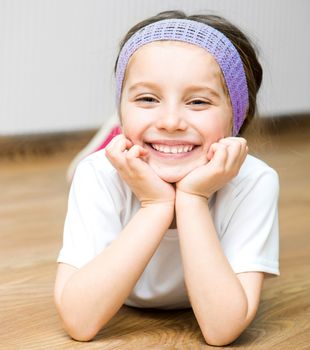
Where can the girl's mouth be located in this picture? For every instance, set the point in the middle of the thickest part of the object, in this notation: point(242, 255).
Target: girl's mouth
point(165, 150)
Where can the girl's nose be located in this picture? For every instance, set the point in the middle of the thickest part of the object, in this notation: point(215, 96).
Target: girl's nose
point(171, 121)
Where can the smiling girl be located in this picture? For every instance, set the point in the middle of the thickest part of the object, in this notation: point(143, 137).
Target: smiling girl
point(174, 213)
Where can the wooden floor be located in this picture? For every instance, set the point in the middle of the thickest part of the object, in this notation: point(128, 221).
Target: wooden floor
point(33, 193)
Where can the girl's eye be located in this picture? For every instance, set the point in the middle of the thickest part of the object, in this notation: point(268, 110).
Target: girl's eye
point(148, 99)
point(199, 102)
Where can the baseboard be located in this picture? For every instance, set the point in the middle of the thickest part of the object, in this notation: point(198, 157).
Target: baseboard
point(38, 145)
point(41, 145)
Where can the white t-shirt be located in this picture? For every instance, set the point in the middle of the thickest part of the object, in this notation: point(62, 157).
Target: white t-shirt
point(244, 211)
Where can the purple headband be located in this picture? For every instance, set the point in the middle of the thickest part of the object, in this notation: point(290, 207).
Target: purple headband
point(199, 34)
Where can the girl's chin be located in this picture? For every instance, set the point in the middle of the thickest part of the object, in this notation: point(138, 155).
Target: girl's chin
point(175, 172)
point(171, 178)
point(171, 175)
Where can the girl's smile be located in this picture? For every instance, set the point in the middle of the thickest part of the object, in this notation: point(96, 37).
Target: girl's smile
point(174, 108)
point(171, 149)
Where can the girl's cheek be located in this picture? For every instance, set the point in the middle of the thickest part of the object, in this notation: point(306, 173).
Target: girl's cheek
point(133, 133)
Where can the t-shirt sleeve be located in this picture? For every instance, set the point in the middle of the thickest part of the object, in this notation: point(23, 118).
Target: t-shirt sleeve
point(250, 238)
point(92, 219)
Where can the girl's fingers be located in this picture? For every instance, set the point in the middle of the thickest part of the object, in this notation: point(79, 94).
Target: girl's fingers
point(134, 158)
point(117, 147)
point(120, 143)
point(237, 152)
point(238, 144)
point(212, 149)
point(116, 151)
point(219, 155)
point(136, 151)
point(125, 156)
point(227, 155)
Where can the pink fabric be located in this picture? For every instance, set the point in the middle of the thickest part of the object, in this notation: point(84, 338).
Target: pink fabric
point(114, 132)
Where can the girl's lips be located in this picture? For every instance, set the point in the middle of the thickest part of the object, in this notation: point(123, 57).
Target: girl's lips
point(172, 142)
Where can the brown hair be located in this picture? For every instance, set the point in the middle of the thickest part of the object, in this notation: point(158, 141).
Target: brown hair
point(252, 67)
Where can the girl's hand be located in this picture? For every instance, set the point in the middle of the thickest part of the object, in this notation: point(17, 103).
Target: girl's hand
point(225, 158)
point(140, 177)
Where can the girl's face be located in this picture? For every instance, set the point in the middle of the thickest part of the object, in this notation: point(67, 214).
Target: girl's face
point(174, 104)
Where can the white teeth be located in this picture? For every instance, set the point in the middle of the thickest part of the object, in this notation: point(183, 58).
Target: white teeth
point(172, 149)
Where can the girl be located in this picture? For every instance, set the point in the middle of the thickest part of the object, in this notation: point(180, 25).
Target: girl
point(174, 213)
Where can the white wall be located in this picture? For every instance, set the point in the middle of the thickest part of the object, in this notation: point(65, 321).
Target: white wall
point(57, 56)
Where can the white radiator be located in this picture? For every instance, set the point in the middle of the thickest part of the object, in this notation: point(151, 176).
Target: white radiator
point(57, 56)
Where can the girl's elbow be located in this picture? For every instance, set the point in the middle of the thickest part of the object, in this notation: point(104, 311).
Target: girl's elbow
point(224, 336)
point(79, 334)
point(79, 330)
point(219, 340)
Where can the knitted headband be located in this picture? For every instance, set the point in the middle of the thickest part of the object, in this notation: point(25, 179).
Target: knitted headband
point(202, 35)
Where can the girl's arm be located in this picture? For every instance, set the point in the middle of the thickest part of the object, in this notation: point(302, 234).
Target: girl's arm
point(224, 303)
point(89, 297)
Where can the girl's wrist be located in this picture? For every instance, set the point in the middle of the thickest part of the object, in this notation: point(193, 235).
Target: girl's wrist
point(168, 204)
point(162, 208)
point(186, 199)
point(159, 212)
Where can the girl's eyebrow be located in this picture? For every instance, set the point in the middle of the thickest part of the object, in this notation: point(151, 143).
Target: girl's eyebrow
point(143, 84)
point(203, 88)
